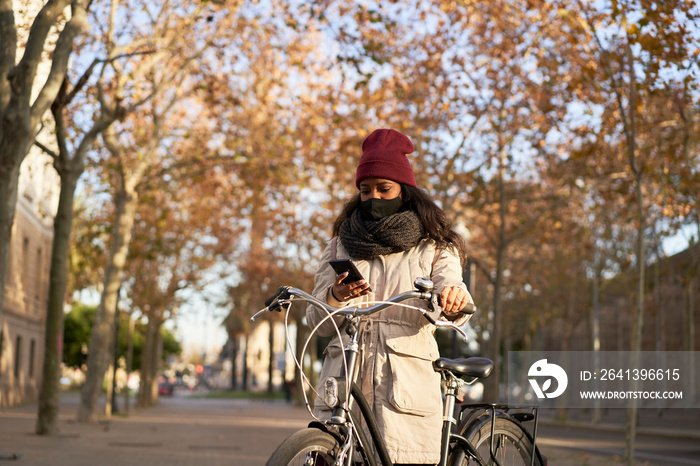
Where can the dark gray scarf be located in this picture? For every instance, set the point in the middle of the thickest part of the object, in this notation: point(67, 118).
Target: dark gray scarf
point(367, 239)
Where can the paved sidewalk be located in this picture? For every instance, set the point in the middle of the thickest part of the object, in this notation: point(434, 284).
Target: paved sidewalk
point(185, 430)
point(178, 431)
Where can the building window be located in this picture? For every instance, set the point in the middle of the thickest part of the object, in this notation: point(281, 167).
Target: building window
point(10, 258)
point(26, 275)
point(18, 355)
point(38, 280)
point(32, 348)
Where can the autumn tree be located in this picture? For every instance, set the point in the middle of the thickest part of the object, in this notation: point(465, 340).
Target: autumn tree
point(73, 142)
point(630, 53)
point(21, 110)
point(403, 76)
point(278, 129)
point(181, 232)
point(170, 32)
point(492, 165)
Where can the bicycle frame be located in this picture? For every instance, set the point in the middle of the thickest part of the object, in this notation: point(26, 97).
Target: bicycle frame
point(341, 393)
point(342, 412)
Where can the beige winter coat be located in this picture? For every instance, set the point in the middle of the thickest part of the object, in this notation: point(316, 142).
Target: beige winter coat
point(397, 348)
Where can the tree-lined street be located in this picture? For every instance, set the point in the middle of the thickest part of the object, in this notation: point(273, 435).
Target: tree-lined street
point(185, 430)
point(205, 147)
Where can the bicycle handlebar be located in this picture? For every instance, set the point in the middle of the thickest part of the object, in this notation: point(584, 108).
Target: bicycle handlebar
point(285, 294)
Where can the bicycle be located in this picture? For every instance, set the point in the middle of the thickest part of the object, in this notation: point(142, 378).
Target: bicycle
point(479, 433)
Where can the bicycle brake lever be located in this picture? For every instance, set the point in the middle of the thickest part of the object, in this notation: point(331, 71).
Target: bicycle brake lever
point(446, 324)
point(275, 306)
point(259, 313)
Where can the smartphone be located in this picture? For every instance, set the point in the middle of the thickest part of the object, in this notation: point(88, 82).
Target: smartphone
point(346, 265)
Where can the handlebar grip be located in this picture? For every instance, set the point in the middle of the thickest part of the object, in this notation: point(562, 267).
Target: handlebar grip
point(281, 293)
point(469, 309)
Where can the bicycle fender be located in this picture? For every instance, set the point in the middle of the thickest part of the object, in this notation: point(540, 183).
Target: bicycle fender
point(334, 432)
point(485, 418)
point(340, 437)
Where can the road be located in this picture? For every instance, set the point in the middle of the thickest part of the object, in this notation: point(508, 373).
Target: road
point(185, 430)
point(603, 447)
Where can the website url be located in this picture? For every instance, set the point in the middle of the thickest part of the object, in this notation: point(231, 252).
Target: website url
point(631, 395)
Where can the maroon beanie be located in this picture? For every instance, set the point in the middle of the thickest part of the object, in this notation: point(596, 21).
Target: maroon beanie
point(384, 156)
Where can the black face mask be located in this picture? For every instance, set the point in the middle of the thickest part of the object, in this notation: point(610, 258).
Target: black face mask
point(380, 208)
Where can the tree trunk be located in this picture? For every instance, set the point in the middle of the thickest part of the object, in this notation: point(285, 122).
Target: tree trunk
point(491, 385)
point(129, 363)
point(638, 324)
point(58, 282)
point(149, 364)
point(689, 337)
point(568, 333)
point(103, 329)
point(234, 366)
point(145, 370)
point(70, 170)
point(9, 177)
point(271, 361)
point(691, 284)
point(595, 325)
point(245, 364)
point(313, 359)
point(298, 380)
point(109, 381)
point(157, 358)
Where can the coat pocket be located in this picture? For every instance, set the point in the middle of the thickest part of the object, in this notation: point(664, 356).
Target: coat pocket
point(415, 384)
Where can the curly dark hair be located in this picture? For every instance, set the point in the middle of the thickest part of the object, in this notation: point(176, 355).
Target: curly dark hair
point(435, 222)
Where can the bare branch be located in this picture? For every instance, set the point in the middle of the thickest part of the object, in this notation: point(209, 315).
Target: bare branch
point(81, 81)
point(22, 76)
point(616, 85)
point(48, 151)
point(487, 234)
point(124, 50)
point(477, 263)
point(78, 161)
point(64, 45)
point(57, 110)
point(8, 49)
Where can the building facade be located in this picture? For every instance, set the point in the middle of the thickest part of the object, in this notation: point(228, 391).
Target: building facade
point(26, 291)
point(23, 320)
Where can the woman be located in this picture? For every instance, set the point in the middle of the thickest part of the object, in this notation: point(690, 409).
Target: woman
point(394, 233)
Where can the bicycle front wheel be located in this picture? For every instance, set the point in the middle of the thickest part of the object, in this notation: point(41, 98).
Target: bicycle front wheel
point(511, 444)
point(306, 447)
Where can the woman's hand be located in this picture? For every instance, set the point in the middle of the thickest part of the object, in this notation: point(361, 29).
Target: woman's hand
point(453, 299)
point(341, 292)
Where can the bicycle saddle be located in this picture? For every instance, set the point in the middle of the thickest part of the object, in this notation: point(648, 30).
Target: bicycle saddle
point(470, 367)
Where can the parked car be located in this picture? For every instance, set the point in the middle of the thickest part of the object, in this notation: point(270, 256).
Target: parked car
point(165, 386)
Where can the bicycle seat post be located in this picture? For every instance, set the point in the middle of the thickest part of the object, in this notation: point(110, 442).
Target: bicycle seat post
point(452, 386)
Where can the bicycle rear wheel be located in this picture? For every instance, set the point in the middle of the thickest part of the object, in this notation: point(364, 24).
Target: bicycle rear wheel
point(306, 447)
point(511, 446)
